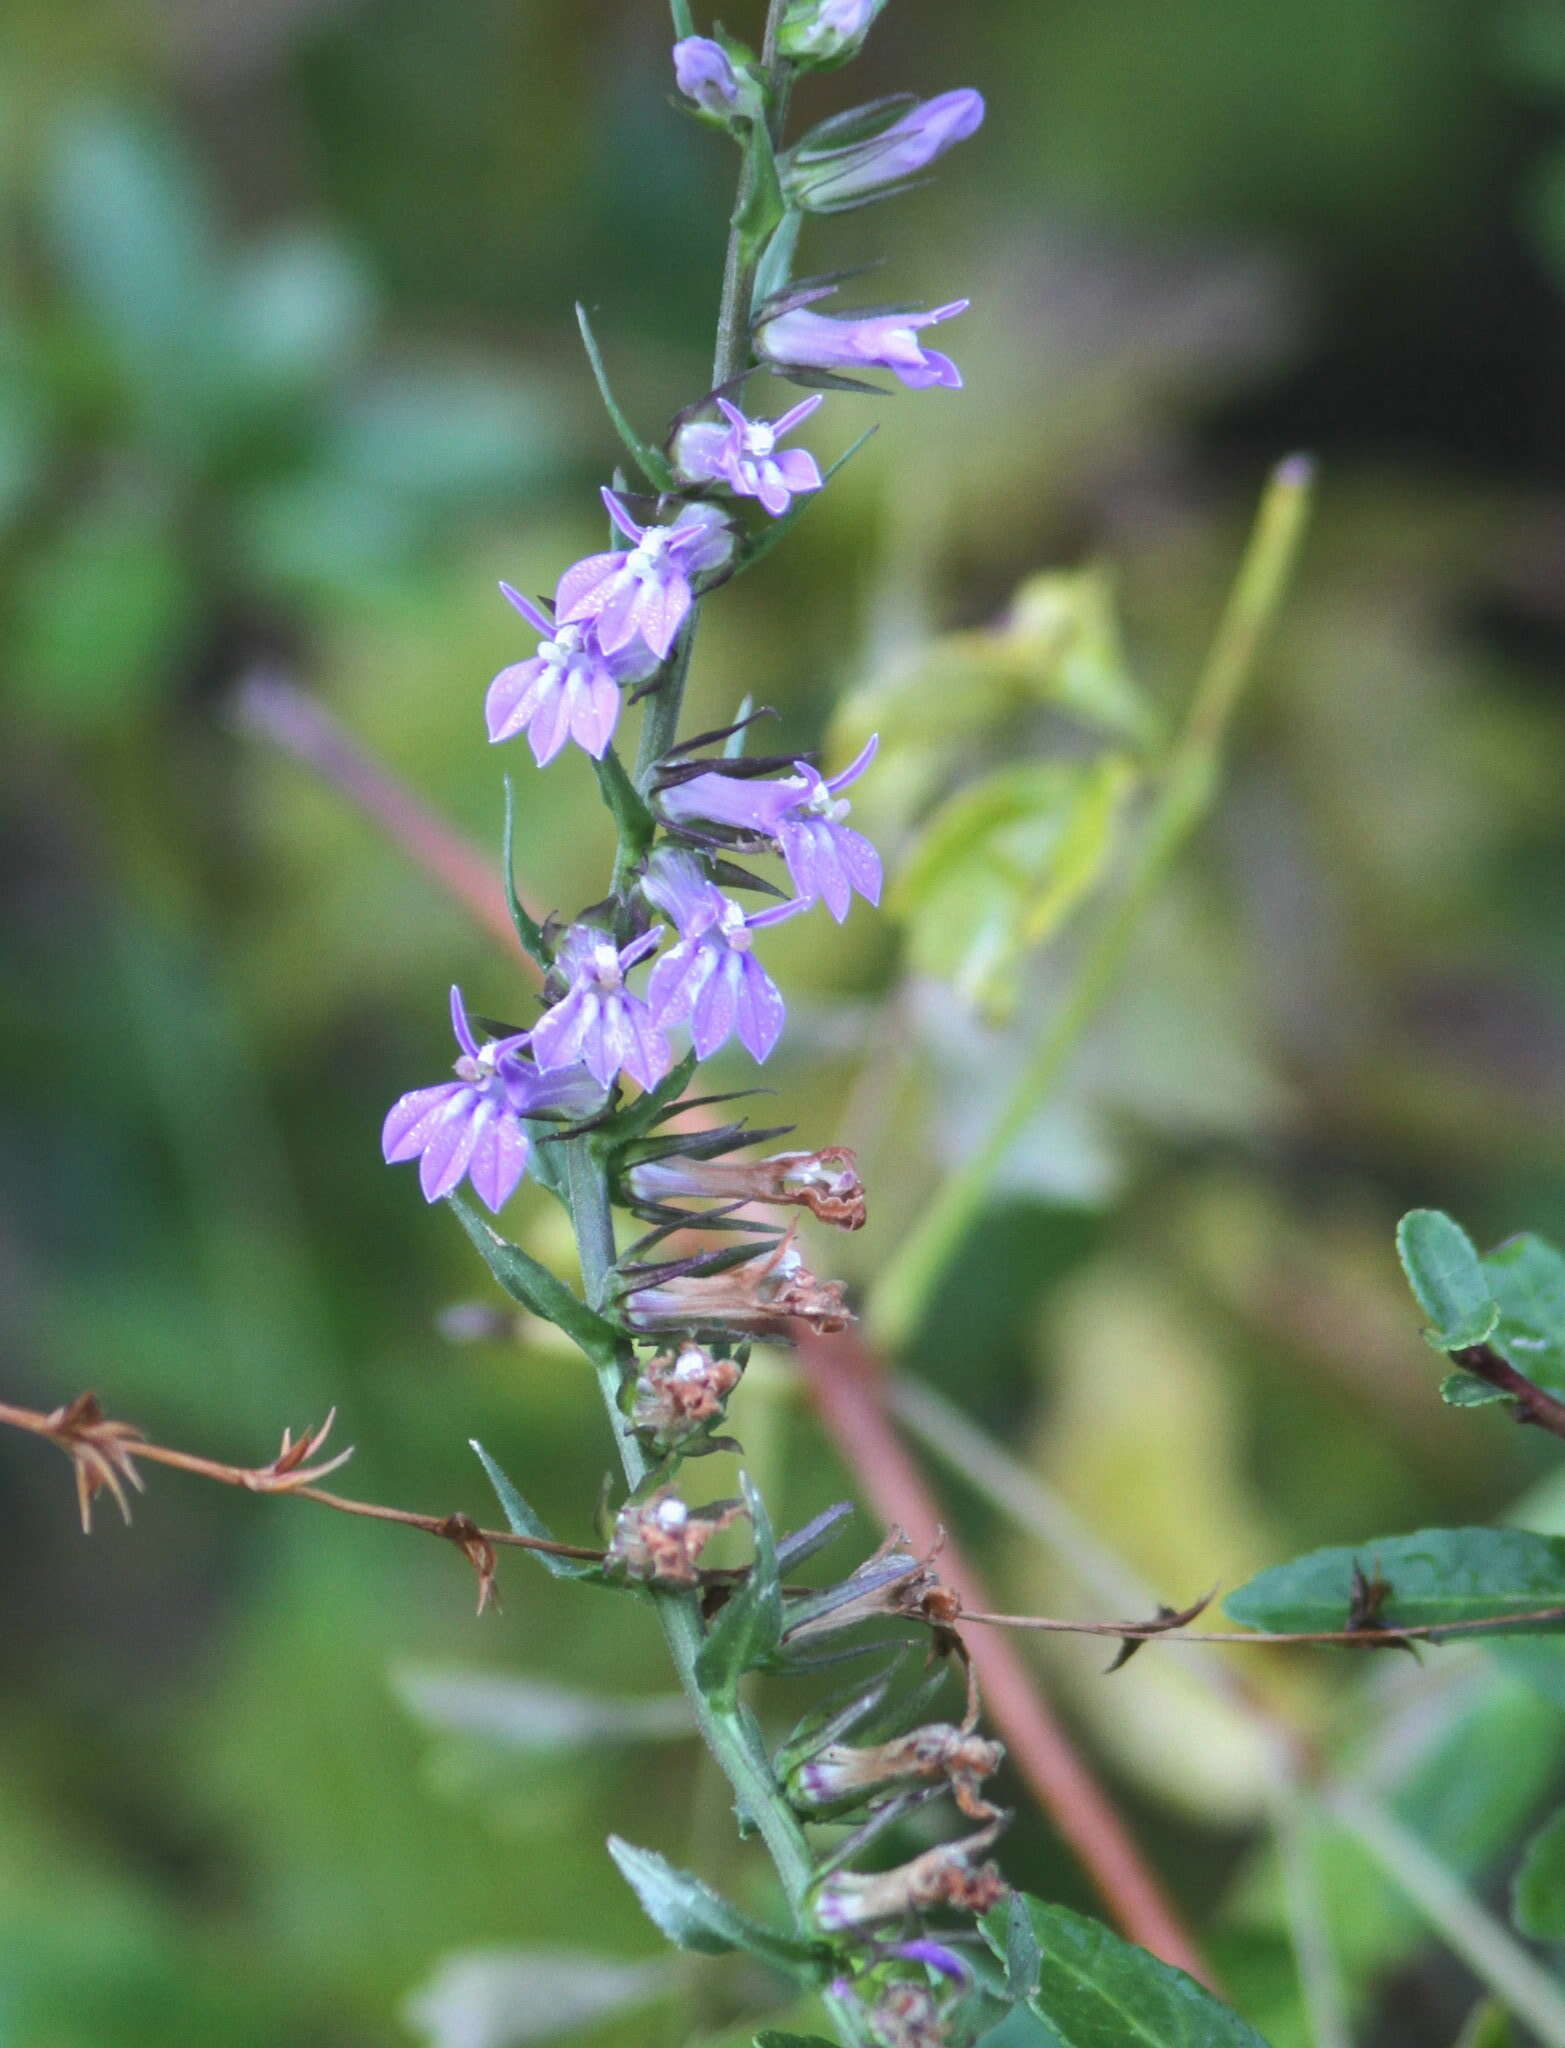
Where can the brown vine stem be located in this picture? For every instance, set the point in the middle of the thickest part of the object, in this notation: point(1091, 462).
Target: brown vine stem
point(843, 1380)
point(106, 1454)
point(1532, 1403)
point(1386, 1636)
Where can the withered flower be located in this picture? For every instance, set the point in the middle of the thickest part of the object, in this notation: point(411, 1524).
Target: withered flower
point(840, 1771)
point(659, 1540)
point(679, 1392)
point(946, 1876)
point(907, 2016)
point(826, 1182)
point(892, 1582)
point(757, 1294)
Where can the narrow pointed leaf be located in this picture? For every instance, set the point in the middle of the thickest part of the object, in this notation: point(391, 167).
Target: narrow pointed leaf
point(652, 463)
point(535, 1287)
point(527, 929)
point(815, 1535)
point(1447, 1277)
point(748, 1627)
point(525, 1522)
point(692, 1915)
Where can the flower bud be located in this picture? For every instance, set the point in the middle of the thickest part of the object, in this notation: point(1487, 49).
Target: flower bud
point(946, 1876)
point(825, 33)
point(705, 73)
point(868, 154)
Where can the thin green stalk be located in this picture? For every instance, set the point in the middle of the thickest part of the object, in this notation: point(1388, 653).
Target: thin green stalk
point(903, 1291)
point(1463, 1923)
point(1320, 1980)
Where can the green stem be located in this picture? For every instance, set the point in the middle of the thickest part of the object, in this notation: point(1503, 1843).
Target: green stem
point(908, 1281)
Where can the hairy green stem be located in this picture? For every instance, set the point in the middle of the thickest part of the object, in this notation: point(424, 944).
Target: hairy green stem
point(908, 1281)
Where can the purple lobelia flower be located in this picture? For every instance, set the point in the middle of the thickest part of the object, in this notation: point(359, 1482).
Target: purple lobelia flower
point(803, 814)
point(471, 1128)
point(598, 1023)
point(711, 976)
point(743, 455)
point(568, 690)
point(705, 73)
point(801, 340)
point(642, 595)
point(870, 152)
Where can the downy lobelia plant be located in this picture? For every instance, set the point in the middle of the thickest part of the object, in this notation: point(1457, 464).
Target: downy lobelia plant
point(715, 846)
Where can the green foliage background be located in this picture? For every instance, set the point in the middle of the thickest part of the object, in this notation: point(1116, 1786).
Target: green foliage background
point(288, 378)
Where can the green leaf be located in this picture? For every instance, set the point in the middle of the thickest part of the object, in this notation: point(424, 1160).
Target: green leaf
point(525, 1522)
point(536, 1288)
point(1467, 1390)
point(635, 823)
point(1097, 1991)
point(527, 929)
point(1526, 1277)
point(1023, 1957)
point(1001, 866)
point(763, 206)
point(772, 2039)
point(693, 1916)
point(748, 1627)
point(652, 462)
point(1447, 1277)
point(1020, 2028)
point(1538, 1894)
point(1488, 2026)
point(1438, 1577)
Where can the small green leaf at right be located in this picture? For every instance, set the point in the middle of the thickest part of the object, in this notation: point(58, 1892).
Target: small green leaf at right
point(1442, 1578)
point(1538, 1895)
point(1096, 1990)
point(1447, 1277)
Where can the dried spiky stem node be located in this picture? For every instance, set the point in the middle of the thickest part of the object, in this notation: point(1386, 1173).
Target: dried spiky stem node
point(102, 1452)
point(659, 1540)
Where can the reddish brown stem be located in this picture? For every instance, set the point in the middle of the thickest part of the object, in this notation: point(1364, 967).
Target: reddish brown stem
point(275, 710)
point(844, 1381)
point(1532, 1403)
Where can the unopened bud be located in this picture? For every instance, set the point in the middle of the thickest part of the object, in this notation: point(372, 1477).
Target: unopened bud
point(824, 33)
point(705, 73)
point(867, 154)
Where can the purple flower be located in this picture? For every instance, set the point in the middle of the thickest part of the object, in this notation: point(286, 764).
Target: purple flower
point(569, 689)
point(598, 1023)
point(803, 813)
point(711, 976)
point(866, 154)
point(472, 1127)
point(742, 455)
point(643, 593)
point(801, 340)
point(705, 73)
point(934, 1955)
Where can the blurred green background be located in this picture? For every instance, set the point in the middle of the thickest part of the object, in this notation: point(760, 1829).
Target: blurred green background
point(288, 378)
